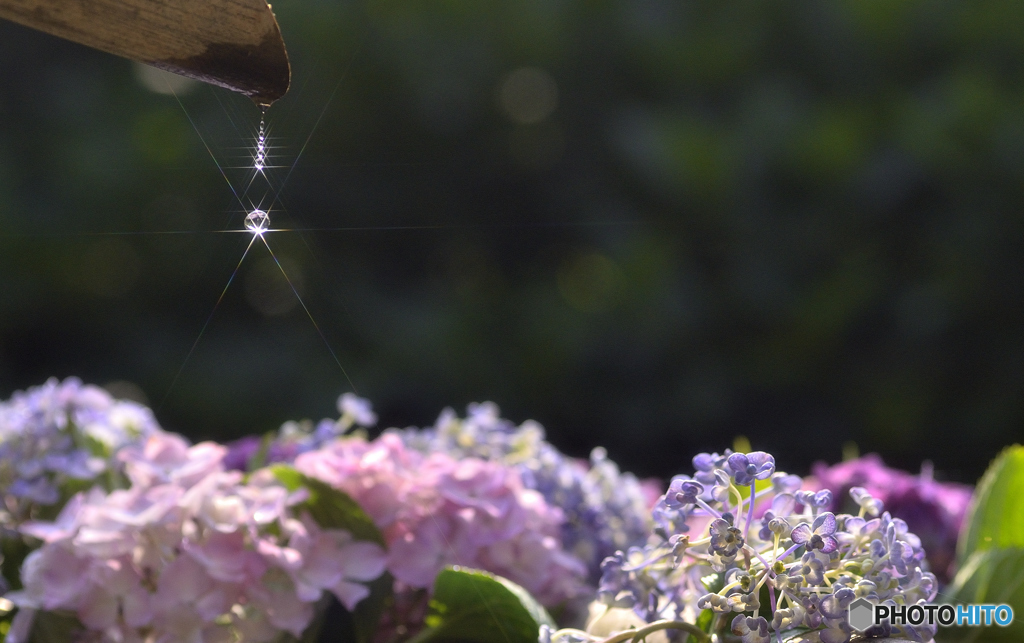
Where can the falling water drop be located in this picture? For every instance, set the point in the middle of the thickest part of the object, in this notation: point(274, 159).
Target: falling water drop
point(261, 147)
point(257, 222)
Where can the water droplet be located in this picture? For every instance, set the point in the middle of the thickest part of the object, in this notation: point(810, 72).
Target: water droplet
point(257, 221)
point(261, 147)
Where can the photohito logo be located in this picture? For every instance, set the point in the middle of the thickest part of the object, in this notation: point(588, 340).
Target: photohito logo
point(863, 614)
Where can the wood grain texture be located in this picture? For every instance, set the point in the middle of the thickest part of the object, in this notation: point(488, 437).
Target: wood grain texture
point(232, 43)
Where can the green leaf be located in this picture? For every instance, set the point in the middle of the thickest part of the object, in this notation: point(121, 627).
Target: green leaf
point(330, 508)
point(95, 447)
point(759, 485)
point(996, 516)
point(259, 459)
point(471, 606)
point(704, 621)
point(713, 582)
point(335, 624)
point(989, 576)
point(366, 616)
point(333, 509)
point(55, 627)
point(529, 603)
point(13, 551)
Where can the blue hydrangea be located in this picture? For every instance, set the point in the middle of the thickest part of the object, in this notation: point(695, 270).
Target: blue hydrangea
point(61, 434)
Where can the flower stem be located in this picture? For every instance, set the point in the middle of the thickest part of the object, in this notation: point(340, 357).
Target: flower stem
point(708, 508)
point(750, 509)
point(637, 635)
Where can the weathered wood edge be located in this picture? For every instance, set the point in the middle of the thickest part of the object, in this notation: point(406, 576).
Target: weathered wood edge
point(235, 44)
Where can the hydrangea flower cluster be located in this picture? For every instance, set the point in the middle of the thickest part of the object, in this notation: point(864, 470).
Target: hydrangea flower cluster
point(935, 510)
point(60, 432)
point(743, 542)
point(297, 437)
point(190, 552)
point(605, 510)
point(169, 542)
point(435, 510)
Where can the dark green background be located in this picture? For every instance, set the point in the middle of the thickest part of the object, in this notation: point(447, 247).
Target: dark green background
point(797, 221)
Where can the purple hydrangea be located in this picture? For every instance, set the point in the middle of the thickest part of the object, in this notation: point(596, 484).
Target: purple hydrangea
point(818, 535)
point(751, 629)
point(682, 492)
point(747, 467)
point(297, 437)
point(810, 562)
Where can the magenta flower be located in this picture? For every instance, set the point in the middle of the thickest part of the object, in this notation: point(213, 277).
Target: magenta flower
point(241, 452)
point(933, 510)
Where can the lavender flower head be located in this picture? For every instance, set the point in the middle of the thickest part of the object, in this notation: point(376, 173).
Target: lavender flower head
point(298, 437)
point(605, 510)
point(935, 510)
point(713, 555)
point(59, 433)
point(190, 552)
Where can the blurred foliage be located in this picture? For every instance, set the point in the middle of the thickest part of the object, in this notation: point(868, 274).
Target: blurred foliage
point(651, 225)
point(990, 556)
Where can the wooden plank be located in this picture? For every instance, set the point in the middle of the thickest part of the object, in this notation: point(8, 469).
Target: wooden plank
point(232, 43)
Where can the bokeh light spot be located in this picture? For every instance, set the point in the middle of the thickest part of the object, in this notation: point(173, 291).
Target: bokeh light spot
point(161, 135)
point(590, 282)
point(162, 82)
point(108, 268)
point(528, 95)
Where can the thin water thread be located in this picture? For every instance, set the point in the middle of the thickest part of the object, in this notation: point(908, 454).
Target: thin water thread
point(261, 147)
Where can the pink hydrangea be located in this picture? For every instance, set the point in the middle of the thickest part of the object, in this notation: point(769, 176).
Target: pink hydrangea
point(190, 553)
point(435, 511)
